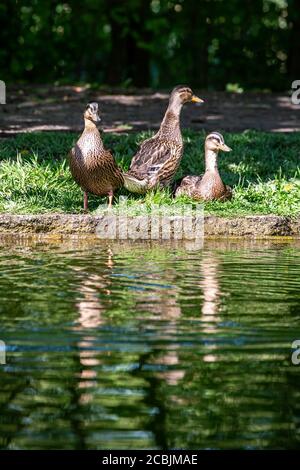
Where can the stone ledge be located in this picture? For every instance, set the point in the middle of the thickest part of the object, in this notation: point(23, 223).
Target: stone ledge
point(254, 226)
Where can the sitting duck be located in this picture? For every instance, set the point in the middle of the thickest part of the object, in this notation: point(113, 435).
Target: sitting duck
point(93, 167)
point(209, 186)
point(158, 157)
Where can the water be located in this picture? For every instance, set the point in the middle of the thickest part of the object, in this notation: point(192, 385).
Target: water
point(149, 346)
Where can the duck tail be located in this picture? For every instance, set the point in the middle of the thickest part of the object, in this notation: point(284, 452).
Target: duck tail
point(134, 184)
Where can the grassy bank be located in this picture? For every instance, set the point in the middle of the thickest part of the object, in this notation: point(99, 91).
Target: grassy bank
point(264, 170)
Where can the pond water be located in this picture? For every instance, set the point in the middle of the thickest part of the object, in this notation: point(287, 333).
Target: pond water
point(149, 346)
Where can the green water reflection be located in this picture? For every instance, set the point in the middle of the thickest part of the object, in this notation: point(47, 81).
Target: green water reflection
point(149, 346)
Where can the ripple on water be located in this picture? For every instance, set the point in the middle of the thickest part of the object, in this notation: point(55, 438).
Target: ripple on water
point(149, 346)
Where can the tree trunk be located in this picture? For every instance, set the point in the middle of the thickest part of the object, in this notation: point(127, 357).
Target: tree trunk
point(128, 59)
point(294, 51)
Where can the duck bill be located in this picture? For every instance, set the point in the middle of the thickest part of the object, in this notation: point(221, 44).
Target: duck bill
point(225, 148)
point(196, 99)
point(96, 118)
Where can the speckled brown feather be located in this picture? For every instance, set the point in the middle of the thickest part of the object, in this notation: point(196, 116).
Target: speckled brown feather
point(159, 157)
point(207, 187)
point(163, 165)
point(92, 166)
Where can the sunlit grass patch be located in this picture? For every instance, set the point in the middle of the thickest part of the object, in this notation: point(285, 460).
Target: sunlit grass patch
point(263, 169)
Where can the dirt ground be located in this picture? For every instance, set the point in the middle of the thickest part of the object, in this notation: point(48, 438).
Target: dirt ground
point(44, 108)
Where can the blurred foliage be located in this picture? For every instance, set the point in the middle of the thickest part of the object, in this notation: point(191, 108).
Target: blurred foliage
point(206, 43)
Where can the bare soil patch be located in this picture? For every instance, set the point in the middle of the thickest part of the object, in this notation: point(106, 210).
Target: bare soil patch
point(59, 108)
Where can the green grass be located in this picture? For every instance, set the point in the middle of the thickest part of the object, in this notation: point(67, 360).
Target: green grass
point(263, 168)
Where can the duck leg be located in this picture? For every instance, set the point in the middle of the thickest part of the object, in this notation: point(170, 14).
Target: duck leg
point(85, 202)
point(110, 198)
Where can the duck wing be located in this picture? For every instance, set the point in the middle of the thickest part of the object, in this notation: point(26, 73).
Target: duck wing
point(149, 150)
point(152, 155)
point(135, 184)
point(158, 161)
point(228, 194)
point(188, 185)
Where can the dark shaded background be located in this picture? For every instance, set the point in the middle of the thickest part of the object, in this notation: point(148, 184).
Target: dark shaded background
point(214, 44)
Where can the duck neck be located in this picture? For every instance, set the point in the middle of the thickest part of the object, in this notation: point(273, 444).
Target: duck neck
point(211, 161)
point(89, 125)
point(170, 126)
point(91, 133)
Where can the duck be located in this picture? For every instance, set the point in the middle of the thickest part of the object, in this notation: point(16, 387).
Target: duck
point(159, 157)
point(93, 167)
point(209, 186)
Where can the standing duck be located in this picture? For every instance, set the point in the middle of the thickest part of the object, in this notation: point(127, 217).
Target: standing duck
point(158, 157)
point(93, 167)
point(209, 186)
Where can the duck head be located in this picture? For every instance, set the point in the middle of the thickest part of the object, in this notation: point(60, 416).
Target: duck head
point(92, 112)
point(215, 142)
point(182, 94)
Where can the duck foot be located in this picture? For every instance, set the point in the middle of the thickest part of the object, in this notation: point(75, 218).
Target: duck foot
point(110, 200)
point(85, 202)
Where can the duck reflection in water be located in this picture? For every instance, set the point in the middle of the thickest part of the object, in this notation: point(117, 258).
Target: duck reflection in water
point(91, 311)
point(211, 298)
point(163, 305)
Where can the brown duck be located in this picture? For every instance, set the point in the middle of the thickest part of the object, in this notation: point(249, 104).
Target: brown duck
point(93, 167)
point(158, 157)
point(209, 186)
